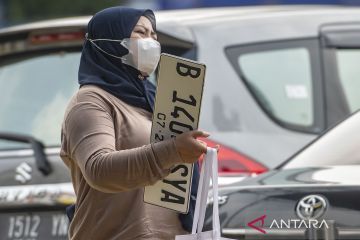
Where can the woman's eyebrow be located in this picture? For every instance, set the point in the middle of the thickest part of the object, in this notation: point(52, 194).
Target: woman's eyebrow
point(138, 25)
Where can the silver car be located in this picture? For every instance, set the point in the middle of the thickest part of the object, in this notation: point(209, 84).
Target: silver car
point(276, 78)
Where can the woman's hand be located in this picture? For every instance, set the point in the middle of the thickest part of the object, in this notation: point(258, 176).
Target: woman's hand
point(189, 148)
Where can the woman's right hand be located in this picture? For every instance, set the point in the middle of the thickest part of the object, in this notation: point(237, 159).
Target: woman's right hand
point(189, 148)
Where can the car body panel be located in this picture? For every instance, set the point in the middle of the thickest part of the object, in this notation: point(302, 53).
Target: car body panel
point(9, 164)
point(276, 194)
point(328, 169)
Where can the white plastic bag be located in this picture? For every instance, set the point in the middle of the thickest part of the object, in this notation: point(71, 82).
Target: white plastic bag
point(209, 170)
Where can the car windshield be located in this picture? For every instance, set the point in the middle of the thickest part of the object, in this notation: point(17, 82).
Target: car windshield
point(34, 93)
point(338, 146)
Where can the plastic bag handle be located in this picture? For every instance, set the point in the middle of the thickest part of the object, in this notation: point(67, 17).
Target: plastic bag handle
point(209, 170)
point(201, 196)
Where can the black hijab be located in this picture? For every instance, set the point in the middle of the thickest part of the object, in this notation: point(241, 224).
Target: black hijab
point(108, 72)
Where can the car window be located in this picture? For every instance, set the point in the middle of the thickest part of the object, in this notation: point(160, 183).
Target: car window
point(285, 79)
point(281, 81)
point(349, 74)
point(34, 94)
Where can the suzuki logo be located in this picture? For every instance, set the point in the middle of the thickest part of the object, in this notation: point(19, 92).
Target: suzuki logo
point(23, 173)
point(311, 207)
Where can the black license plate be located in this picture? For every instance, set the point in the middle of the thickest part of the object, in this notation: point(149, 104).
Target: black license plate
point(34, 226)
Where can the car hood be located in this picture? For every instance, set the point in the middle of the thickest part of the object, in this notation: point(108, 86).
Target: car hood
point(278, 193)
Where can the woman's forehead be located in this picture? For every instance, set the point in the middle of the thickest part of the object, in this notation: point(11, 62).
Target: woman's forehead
point(143, 21)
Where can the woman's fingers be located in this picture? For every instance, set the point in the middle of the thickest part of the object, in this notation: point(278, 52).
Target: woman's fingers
point(198, 133)
point(189, 147)
point(202, 146)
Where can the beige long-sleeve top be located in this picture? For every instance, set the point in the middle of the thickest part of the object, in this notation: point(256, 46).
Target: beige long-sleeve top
point(106, 145)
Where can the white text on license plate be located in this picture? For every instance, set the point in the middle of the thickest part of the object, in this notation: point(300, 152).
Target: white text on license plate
point(37, 226)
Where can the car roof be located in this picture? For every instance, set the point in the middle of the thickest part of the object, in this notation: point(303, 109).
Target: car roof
point(198, 15)
point(240, 25)
point(184, 20)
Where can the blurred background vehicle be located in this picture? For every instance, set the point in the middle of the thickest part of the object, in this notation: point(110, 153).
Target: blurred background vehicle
point(276, 77)
point(321, 182)
point(34, 191)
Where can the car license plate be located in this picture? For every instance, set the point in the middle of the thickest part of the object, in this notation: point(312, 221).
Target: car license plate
point(177, 110)
point(33, 226)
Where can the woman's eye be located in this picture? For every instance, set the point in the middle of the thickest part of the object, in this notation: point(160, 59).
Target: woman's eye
point(141, 32)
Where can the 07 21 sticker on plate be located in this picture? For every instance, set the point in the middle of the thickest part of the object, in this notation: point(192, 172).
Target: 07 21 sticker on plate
point(177, 110)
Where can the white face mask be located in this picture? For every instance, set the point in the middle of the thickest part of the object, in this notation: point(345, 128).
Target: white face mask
point(144, 53)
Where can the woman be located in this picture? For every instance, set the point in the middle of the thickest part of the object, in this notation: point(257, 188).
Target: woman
point(106, 132)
